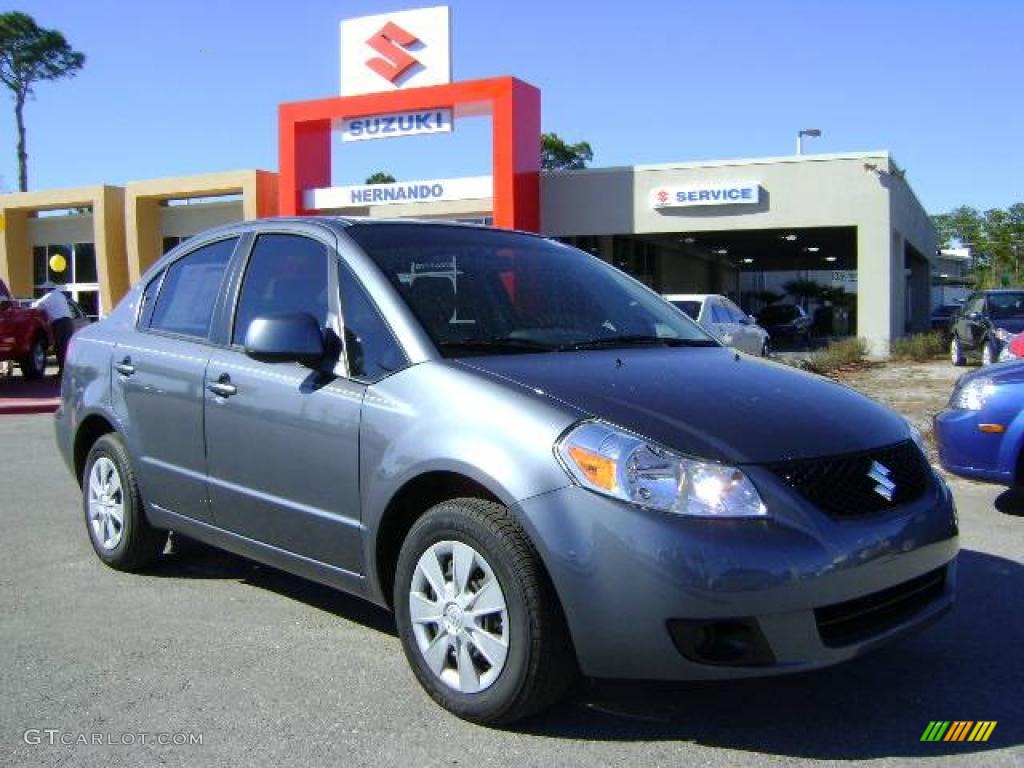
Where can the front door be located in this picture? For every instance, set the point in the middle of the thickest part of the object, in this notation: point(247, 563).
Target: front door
point(282, 439)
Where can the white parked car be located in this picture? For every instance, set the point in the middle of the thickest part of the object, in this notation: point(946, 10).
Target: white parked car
point(723, 318)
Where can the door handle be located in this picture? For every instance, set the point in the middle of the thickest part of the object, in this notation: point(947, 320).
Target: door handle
point(125, 367)
point(223, 387)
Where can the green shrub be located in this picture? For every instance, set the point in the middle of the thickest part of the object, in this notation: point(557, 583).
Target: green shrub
point(838, 354)
point(920, 347)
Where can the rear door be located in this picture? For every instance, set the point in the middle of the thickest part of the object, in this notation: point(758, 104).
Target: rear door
point(283, 439)
point(157, 378)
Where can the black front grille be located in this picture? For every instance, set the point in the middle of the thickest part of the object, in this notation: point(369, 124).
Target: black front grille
point(860, 619)
point(842, 486)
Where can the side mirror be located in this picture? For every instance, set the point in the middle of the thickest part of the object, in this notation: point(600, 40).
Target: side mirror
point(293, 337)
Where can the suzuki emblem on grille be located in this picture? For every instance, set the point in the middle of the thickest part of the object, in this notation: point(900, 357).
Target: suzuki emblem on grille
point(882, 475)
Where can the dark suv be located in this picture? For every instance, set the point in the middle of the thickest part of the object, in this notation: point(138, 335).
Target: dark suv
point(541, 466)
point(984, 325)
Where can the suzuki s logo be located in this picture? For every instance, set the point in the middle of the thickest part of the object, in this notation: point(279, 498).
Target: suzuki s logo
point(391, 43)
point(882, 475)
point(662, 196)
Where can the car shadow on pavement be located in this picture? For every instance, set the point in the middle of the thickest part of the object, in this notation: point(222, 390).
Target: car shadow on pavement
point(190, 559)
point(967, 667)
point(1011, 502)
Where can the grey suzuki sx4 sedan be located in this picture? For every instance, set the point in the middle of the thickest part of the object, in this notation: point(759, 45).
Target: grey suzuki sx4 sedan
point(540, 466)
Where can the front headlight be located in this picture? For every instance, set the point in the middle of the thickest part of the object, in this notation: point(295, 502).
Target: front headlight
point(973, 395)
point(625, 466)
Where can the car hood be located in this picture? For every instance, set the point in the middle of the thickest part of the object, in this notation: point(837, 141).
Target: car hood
point(1010, 372)
point(708, 402)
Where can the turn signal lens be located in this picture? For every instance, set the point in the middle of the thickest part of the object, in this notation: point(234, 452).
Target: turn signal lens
point(599, 470)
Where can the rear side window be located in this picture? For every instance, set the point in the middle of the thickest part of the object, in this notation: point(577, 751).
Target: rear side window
point(372, 350)
point(189, 290)
point(286, 274)
point(691, 308)
point(719, 314)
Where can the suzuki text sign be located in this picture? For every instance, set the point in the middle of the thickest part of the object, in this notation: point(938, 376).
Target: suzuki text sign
point(711, 194)
point(393, 51)
point(398, 124)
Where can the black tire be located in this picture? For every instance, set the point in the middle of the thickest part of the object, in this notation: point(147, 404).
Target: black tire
point(140, 543)
point(541, 664)
point(956, 352)
point(34, 365)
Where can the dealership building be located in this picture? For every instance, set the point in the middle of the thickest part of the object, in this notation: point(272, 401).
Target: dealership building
point(739, 227)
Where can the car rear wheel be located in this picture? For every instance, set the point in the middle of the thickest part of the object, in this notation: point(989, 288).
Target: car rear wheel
point(33, 366)
point(479, 621)
point(115, 518)
point(956, 353)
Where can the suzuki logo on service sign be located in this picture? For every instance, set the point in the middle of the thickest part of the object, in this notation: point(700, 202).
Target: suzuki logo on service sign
point(392, 51)
point(400, 124)
point(712, 194)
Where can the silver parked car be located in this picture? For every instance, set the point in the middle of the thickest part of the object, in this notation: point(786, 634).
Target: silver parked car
point(723, 318)
point(537, 463)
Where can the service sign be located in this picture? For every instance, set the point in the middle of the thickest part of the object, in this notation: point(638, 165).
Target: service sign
point(392, 51)
point(712, 194)
point(427, 191)
point(398, 124)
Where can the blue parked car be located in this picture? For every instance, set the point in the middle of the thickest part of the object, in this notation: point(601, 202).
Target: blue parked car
point(981, 432)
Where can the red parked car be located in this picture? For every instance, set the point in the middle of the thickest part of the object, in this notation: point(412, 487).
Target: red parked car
point(24, 335)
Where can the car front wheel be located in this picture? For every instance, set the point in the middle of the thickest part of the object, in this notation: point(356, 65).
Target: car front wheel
point(956, 353)
point(478, 618)
point(989, 354)
point(114, 515)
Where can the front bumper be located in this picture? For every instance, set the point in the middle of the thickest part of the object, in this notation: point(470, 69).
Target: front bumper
point(965, 450)
point(625, 576)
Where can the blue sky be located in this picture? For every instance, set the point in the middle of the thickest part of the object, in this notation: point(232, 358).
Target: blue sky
point(181, 87)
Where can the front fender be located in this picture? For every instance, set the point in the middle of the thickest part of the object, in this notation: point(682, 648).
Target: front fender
point(436, 417)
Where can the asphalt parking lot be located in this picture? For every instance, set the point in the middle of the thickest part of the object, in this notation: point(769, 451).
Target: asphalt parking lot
point(272, 670)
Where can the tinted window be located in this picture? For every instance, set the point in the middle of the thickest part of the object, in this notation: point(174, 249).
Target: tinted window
point(372, 350)
point(1006, 304)
point(480, 290)
point(189, 290)
point(286, 274)
point(719, 314)
point(691, 308)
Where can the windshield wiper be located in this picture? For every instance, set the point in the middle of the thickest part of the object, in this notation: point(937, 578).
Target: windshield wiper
point(497, 344)
point(637, 340)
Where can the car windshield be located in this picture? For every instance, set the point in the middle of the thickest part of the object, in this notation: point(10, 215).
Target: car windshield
point(691, 308)
point(1006, 305)
point(483, 291)
point(778, 314)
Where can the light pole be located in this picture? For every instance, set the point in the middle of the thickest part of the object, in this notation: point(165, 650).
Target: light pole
point(812, 132)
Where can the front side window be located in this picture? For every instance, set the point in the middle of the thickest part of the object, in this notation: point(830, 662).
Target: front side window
point(189, 290)
point(286, 274)
point(372, 350)
point(478, 291)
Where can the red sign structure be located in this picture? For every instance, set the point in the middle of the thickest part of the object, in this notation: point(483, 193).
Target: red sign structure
point(305, 139)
